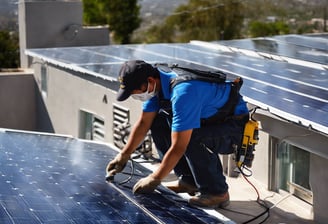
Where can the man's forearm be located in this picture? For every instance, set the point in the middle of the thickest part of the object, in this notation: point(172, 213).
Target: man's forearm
point(138, 132)
point(169, 161)
point(180, 141)
point(136, 136)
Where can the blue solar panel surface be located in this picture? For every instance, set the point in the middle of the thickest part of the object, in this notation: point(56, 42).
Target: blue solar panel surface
point(56, 179)
point(295, 92)
point(307, 48)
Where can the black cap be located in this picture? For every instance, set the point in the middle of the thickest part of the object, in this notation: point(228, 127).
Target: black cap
point(131, 76)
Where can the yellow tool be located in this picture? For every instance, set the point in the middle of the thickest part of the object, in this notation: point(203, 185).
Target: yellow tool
point(245, 155)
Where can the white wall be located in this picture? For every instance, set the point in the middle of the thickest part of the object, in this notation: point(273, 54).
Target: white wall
point(44, 24)
point(318, 183)
point(68, 94)
point(18, 101)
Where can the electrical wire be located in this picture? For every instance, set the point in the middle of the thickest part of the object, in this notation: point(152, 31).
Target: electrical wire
point(130, 175)
point(260, 202)
point(284, 198)
point(197, 10)
point(204, 8)
point(241, 170)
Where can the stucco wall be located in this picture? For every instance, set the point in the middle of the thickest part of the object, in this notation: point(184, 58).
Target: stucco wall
point(17, 100)
point(44, 24)
point(68, 94)
point(318, 182)
point(261, 159)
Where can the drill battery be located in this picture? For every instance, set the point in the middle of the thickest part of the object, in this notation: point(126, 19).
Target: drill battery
point(245, 153)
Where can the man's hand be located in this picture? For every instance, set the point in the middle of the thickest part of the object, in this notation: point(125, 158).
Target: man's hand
point(117, 164)
point(146, 185)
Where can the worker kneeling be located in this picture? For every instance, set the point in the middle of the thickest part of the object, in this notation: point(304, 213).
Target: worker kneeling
point(191, 123)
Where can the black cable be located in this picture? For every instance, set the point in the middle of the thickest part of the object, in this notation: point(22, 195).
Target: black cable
point(253, 111)
point(260, 202)
point(131, 174)
point(241, 170)
point(266, 211)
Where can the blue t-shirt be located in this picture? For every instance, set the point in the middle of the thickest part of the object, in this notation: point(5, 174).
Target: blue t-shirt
point(192, 101)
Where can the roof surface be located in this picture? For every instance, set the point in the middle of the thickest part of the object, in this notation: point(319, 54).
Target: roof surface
point(293, 86)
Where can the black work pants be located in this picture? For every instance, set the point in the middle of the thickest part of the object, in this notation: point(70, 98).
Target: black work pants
point(200, 164)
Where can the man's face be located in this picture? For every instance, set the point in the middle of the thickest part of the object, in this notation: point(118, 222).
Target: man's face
point(146, 91)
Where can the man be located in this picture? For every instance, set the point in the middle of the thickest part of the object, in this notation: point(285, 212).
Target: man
point(182, 130)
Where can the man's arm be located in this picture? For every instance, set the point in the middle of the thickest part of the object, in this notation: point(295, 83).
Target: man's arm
point(180, 141)
point(138, 132)
point(136, 136)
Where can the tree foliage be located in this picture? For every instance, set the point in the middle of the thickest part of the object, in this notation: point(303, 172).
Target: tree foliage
point(200, 20)
point(262, 29)
point(123, 17)
point(93, 12)
point(9, 50)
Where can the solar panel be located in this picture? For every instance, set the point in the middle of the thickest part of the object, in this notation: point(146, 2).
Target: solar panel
point(298, 92)
point(314, 42)
point(58, 179)
point(312, 49)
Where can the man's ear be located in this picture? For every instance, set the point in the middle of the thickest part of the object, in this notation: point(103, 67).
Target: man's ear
point(151, 79)
point(144, 86)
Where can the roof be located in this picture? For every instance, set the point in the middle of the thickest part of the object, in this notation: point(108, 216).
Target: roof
point(292, 84)
point(47, 178)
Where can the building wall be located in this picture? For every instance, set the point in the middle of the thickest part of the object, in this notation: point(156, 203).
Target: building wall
point(306, 139)
point(44, 24)
point(261, 159)
point(18, 101)
point(68, 94)
point(318, 182)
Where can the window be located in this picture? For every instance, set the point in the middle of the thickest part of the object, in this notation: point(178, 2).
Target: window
point(294, 169)
point(44, 81)
point(92, 127)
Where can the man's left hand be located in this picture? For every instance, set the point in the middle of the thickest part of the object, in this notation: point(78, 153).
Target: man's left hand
point(146, 185)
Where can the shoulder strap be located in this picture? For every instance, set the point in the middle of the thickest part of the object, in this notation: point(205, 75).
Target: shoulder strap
point(187, 74)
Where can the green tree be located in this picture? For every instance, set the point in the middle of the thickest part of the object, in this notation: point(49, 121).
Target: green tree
point(121, 16)
point(201, 20)
point(9, 50)
point(262, 29)
point(94, 13)
point(158, 33)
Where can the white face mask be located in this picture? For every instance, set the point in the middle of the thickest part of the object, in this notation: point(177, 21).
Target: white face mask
point(146, 95)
